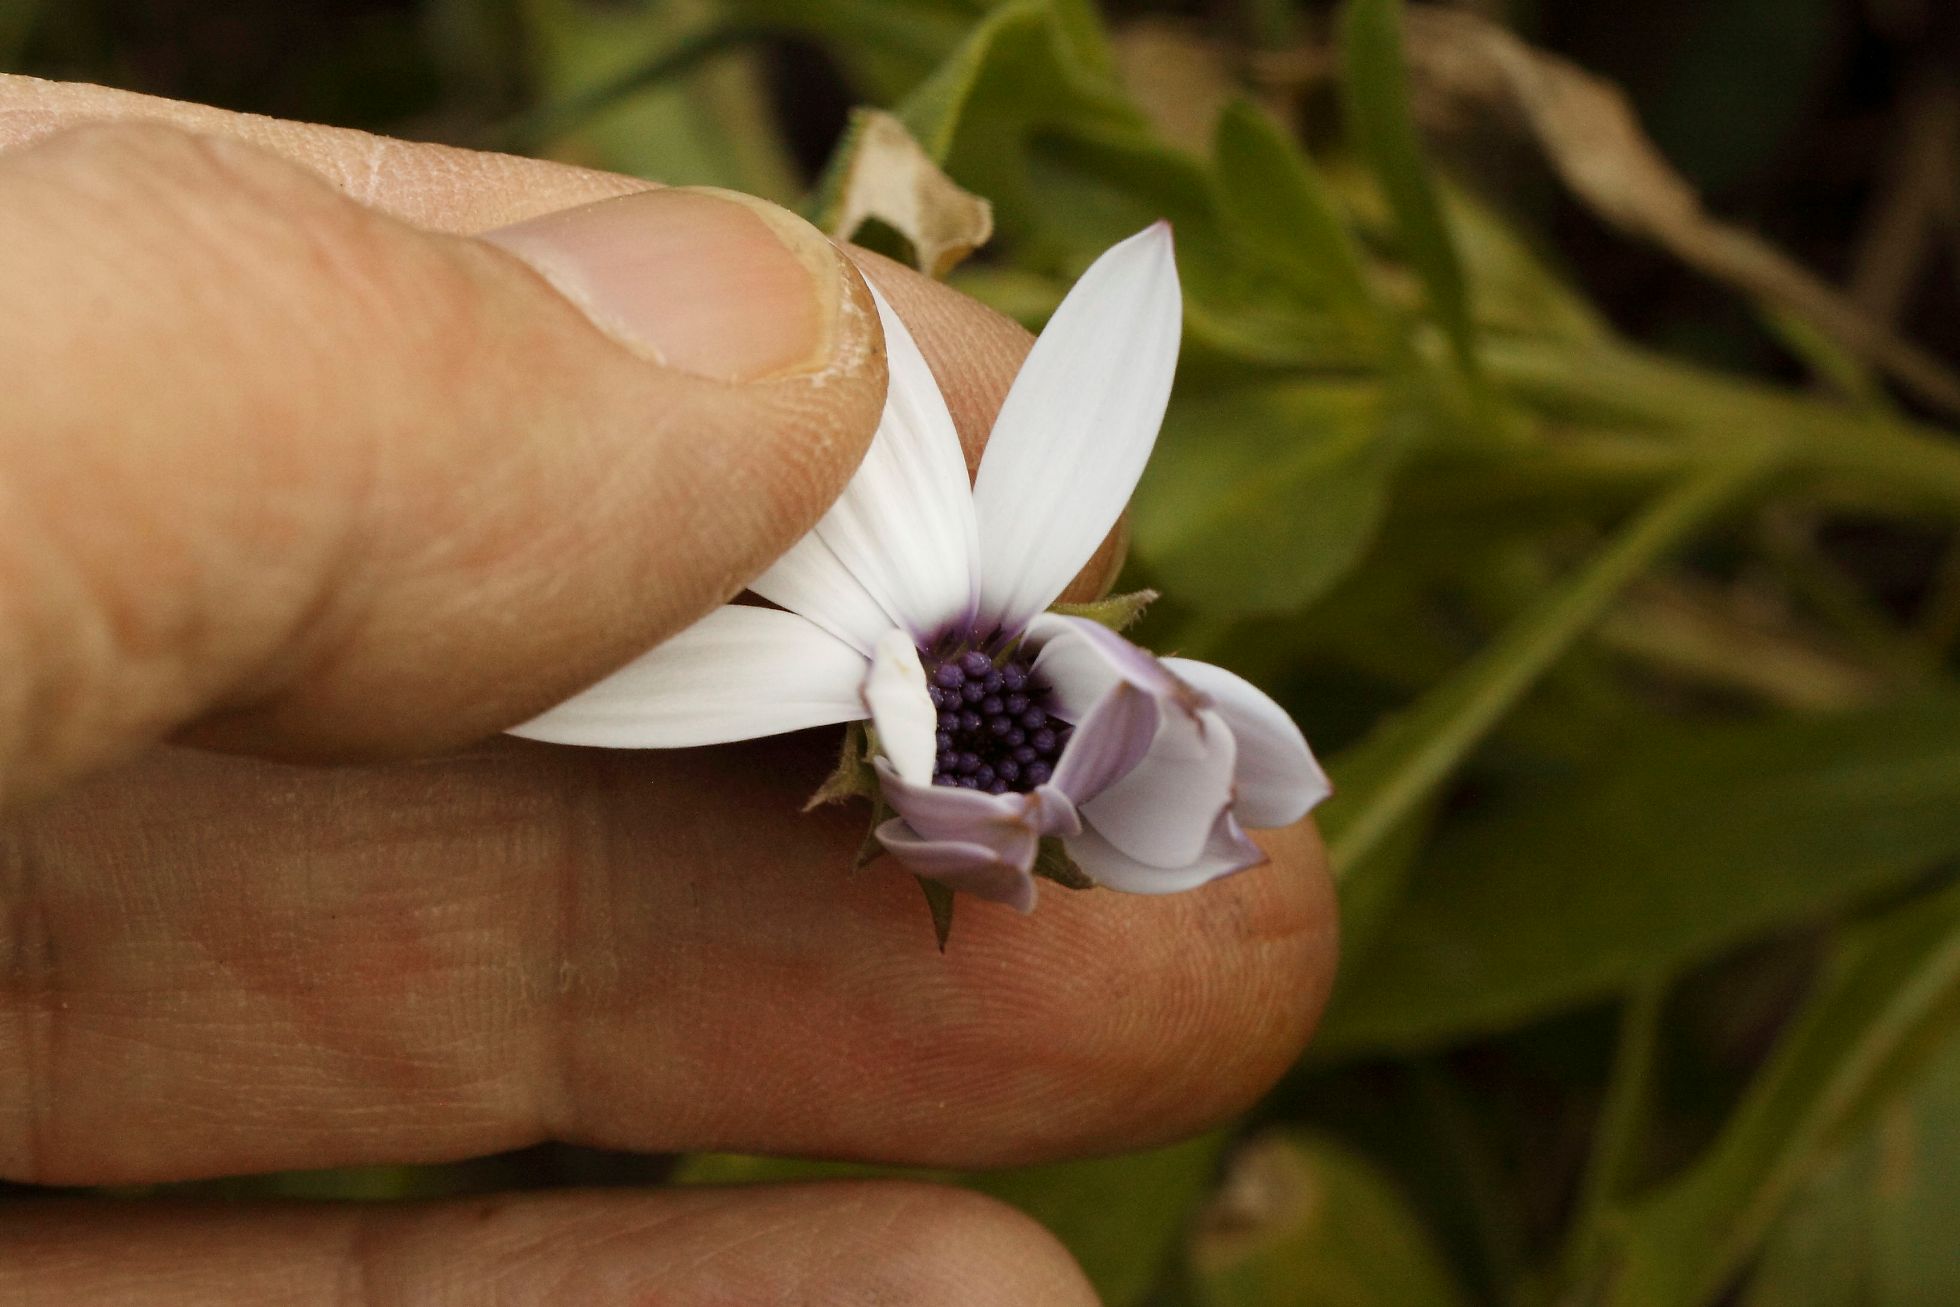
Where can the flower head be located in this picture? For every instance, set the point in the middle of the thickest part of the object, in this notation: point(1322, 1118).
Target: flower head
point(920, 602)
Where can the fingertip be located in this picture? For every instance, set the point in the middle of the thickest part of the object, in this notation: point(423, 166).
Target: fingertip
point(1157, 1017)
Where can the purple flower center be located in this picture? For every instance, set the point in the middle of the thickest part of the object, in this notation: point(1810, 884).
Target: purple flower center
point(995, 731)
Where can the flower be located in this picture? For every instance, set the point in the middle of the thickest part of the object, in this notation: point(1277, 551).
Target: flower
point(920, 602)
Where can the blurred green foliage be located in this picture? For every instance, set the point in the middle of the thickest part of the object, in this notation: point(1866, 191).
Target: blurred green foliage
point(1652, 991)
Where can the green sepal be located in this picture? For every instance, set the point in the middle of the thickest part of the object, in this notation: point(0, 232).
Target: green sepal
point(853, 777)
point(872, 849)
point(1117, 612)
point(939, 898)
point(1052, 862)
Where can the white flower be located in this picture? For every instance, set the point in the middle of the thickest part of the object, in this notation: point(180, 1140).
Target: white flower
point(919, 602)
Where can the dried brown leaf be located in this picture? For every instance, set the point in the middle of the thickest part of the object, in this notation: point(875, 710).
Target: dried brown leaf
point(1589, 132)
point(890, 177)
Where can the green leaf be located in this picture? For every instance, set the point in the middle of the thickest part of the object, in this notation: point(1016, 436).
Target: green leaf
point(1890, 998)
point(1017, 71)
point(1273, 199)
point(1875, 1225)
point(1121, 1217)
point(1392, 775)
point(1303, 1222)
point(1689, 841)
point(1082, 27)
point(747, 1168)
point(1375, 87)
point(1258, 500)
point(627, 89)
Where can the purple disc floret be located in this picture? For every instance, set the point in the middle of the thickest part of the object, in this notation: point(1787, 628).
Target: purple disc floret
point(994, 732)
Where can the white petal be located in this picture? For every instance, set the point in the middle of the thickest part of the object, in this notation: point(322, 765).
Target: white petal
point(1077, 427)
point(1277, 780)
point(901, 709)
point(900, 540)
point(736, 674)
point(1226, 851)
point(1163, 810)
point(812, 581)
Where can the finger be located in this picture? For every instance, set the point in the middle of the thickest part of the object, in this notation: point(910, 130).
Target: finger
point(973, 352)
point(860, 1242)
point(437, 187)
point(215, 965)
point(355, 487)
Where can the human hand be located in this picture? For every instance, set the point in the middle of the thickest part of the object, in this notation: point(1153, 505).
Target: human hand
point(298, 476)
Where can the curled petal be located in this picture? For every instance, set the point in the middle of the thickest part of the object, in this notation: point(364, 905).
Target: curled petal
point(1110, 739)
point(900, 708)
point(1077, 426)
point(1080, 661)
point(983, 838)
point(1157, 803)
point(1226, 850)
point(1161, 812)
point(1277, 780)
point(974, 868)
point(736, 674)
point(999, 821)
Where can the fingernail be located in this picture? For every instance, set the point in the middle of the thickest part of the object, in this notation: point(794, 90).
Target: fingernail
point(706, 281)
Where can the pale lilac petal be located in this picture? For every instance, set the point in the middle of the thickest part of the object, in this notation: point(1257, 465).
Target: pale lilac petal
point(736, 674)
point(1110, 739)
point(900, 540)
point(1277, 781)
point(1010, 822)
point(1080, 661)
point(901, 709)
point(1227, 850)
point(1077, 427)
point(1162, 811)
point(971, 868)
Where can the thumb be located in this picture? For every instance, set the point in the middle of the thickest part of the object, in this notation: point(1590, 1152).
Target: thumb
point(309, 480)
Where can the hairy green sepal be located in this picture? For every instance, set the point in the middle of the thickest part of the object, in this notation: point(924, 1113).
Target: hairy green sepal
point(1052, 862)
point(1117, 612)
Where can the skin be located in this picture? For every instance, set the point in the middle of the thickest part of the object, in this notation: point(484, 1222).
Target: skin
point(272, 893)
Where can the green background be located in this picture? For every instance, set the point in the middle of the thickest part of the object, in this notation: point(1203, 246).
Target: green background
point(1622, 603)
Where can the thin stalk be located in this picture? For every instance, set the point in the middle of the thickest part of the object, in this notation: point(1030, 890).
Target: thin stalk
point(1917, 463)
point(1391, 775)
point(1622, 1126)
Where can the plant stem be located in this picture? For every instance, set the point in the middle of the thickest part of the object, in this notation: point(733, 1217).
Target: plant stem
point(1621, 1126)
point(1398, 768)
point(1913, 462)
